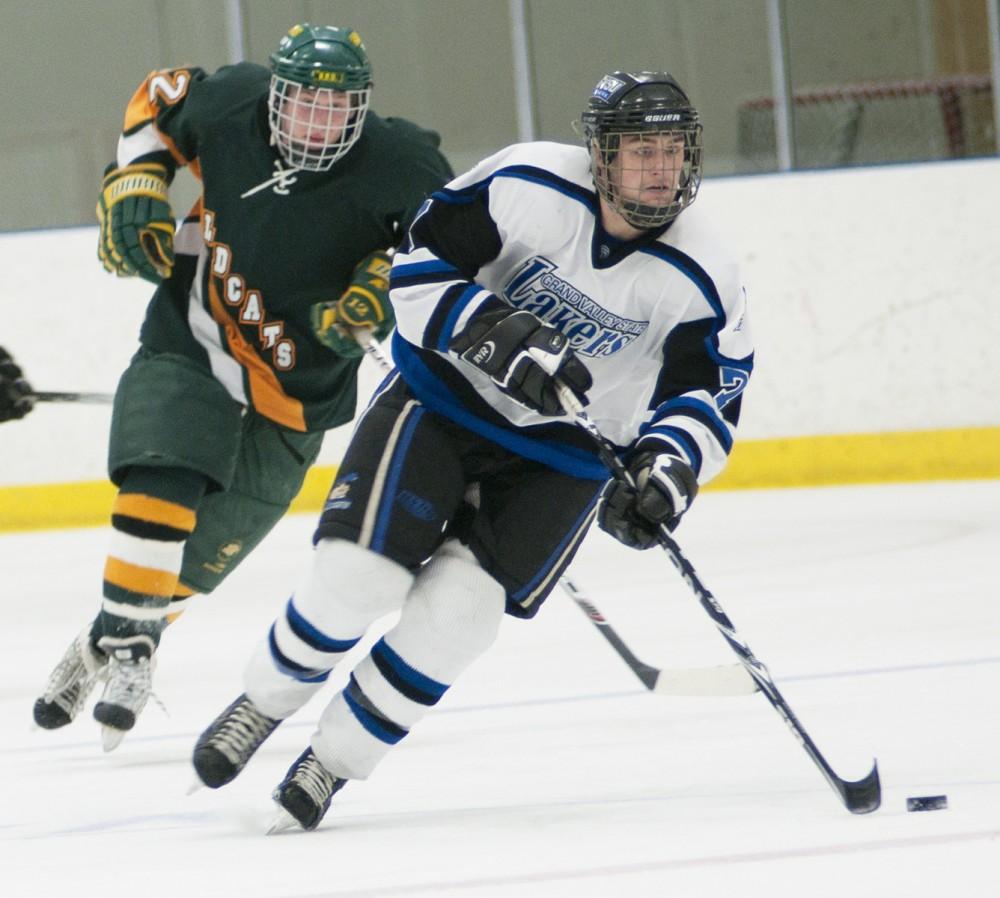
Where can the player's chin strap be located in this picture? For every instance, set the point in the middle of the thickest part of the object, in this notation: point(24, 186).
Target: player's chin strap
point(719, 680)
point(859, 797)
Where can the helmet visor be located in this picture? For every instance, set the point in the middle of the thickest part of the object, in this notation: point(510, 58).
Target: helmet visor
point(313, 127)
point(647, 176)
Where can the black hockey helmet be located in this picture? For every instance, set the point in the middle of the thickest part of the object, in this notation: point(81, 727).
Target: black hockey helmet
point(641, 103)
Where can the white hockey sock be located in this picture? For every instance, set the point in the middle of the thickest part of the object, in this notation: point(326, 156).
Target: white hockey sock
point(450, 618)
point(344, 591)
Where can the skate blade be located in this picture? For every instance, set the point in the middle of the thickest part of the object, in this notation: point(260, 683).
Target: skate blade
point(283, 822)
point(196, 785)
point(111, 738)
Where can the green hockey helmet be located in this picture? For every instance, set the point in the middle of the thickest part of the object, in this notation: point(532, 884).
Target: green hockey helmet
point(321, 83)
point(648, 110)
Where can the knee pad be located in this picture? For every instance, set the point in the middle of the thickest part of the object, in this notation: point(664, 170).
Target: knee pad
point(347, 588)
point(451, 616)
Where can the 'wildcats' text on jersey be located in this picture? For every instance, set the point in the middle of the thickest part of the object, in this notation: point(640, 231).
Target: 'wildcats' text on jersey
point(265, 242)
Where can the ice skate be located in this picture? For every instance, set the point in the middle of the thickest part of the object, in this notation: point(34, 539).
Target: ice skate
point(130, 682)
point(70, 683)
point(303, 796)
point(224, 749)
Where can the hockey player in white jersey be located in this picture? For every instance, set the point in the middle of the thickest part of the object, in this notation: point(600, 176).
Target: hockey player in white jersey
point(467, 488)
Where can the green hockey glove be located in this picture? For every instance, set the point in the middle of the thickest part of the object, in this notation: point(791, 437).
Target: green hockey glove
point(137, 226)
point(365, 303)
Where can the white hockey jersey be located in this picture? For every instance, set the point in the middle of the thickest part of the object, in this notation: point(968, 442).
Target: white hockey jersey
point(660, 322)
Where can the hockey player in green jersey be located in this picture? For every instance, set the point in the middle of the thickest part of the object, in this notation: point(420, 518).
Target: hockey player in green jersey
point(245, 356)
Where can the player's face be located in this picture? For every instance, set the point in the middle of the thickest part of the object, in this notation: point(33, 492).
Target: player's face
point(647, 167)
point(315, 117)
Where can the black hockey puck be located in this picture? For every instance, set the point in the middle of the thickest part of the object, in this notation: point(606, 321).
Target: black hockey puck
point(927, 802)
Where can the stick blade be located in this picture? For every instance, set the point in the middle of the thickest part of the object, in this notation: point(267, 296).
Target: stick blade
point(724, 679)
point(862, 796)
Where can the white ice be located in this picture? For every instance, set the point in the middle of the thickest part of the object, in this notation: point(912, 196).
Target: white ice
point(548, 770)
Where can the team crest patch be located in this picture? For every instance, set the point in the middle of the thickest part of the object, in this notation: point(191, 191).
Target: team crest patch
point(225, 553)
point(606, 87)
point(338, 497)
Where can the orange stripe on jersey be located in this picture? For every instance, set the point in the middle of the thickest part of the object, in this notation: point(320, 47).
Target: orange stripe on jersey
point(268, 396)
point(145, 580)
point(156, 511)
point(161, 88)
point(140, 108)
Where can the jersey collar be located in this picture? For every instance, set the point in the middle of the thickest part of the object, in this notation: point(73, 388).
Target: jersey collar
point(606, 250)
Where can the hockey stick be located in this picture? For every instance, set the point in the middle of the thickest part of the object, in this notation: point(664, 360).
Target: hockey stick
point(88, 398)
point(363, 336)
point(721, 680)
point(724, 679)
point(860, 796)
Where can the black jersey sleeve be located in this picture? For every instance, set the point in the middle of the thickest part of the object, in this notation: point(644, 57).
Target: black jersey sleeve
point(458, 229)
point(433, 284)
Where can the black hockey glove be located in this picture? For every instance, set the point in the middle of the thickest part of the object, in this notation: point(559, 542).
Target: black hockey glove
point(665, 488)
point(524, 358)
point(15, 392)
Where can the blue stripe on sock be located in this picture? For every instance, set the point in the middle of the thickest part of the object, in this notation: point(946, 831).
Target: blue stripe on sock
point(313, 637)
point(290, 668)
point(405, 679)
point(379, 727)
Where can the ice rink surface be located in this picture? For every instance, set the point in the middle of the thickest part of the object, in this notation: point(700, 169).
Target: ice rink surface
point(548, 770)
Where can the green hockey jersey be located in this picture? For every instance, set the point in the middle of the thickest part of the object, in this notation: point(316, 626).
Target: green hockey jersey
point(264, 242)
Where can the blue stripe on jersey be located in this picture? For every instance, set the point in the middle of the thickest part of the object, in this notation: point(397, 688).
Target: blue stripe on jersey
point(440, 328)
point(290, 668)
point(434, 271)
point(701, 412)
point(384, 516)
point(528, 173)
point(442, 308)
point(313, 637)
point(694, 272)
point(553, 559)
point(437, 397)
point(458, 306)
point(382, 729)
point(405, 679)
point(548, 179)
point(703, 281)
point(682, 438)
point(418, 269)
point(462, 195)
